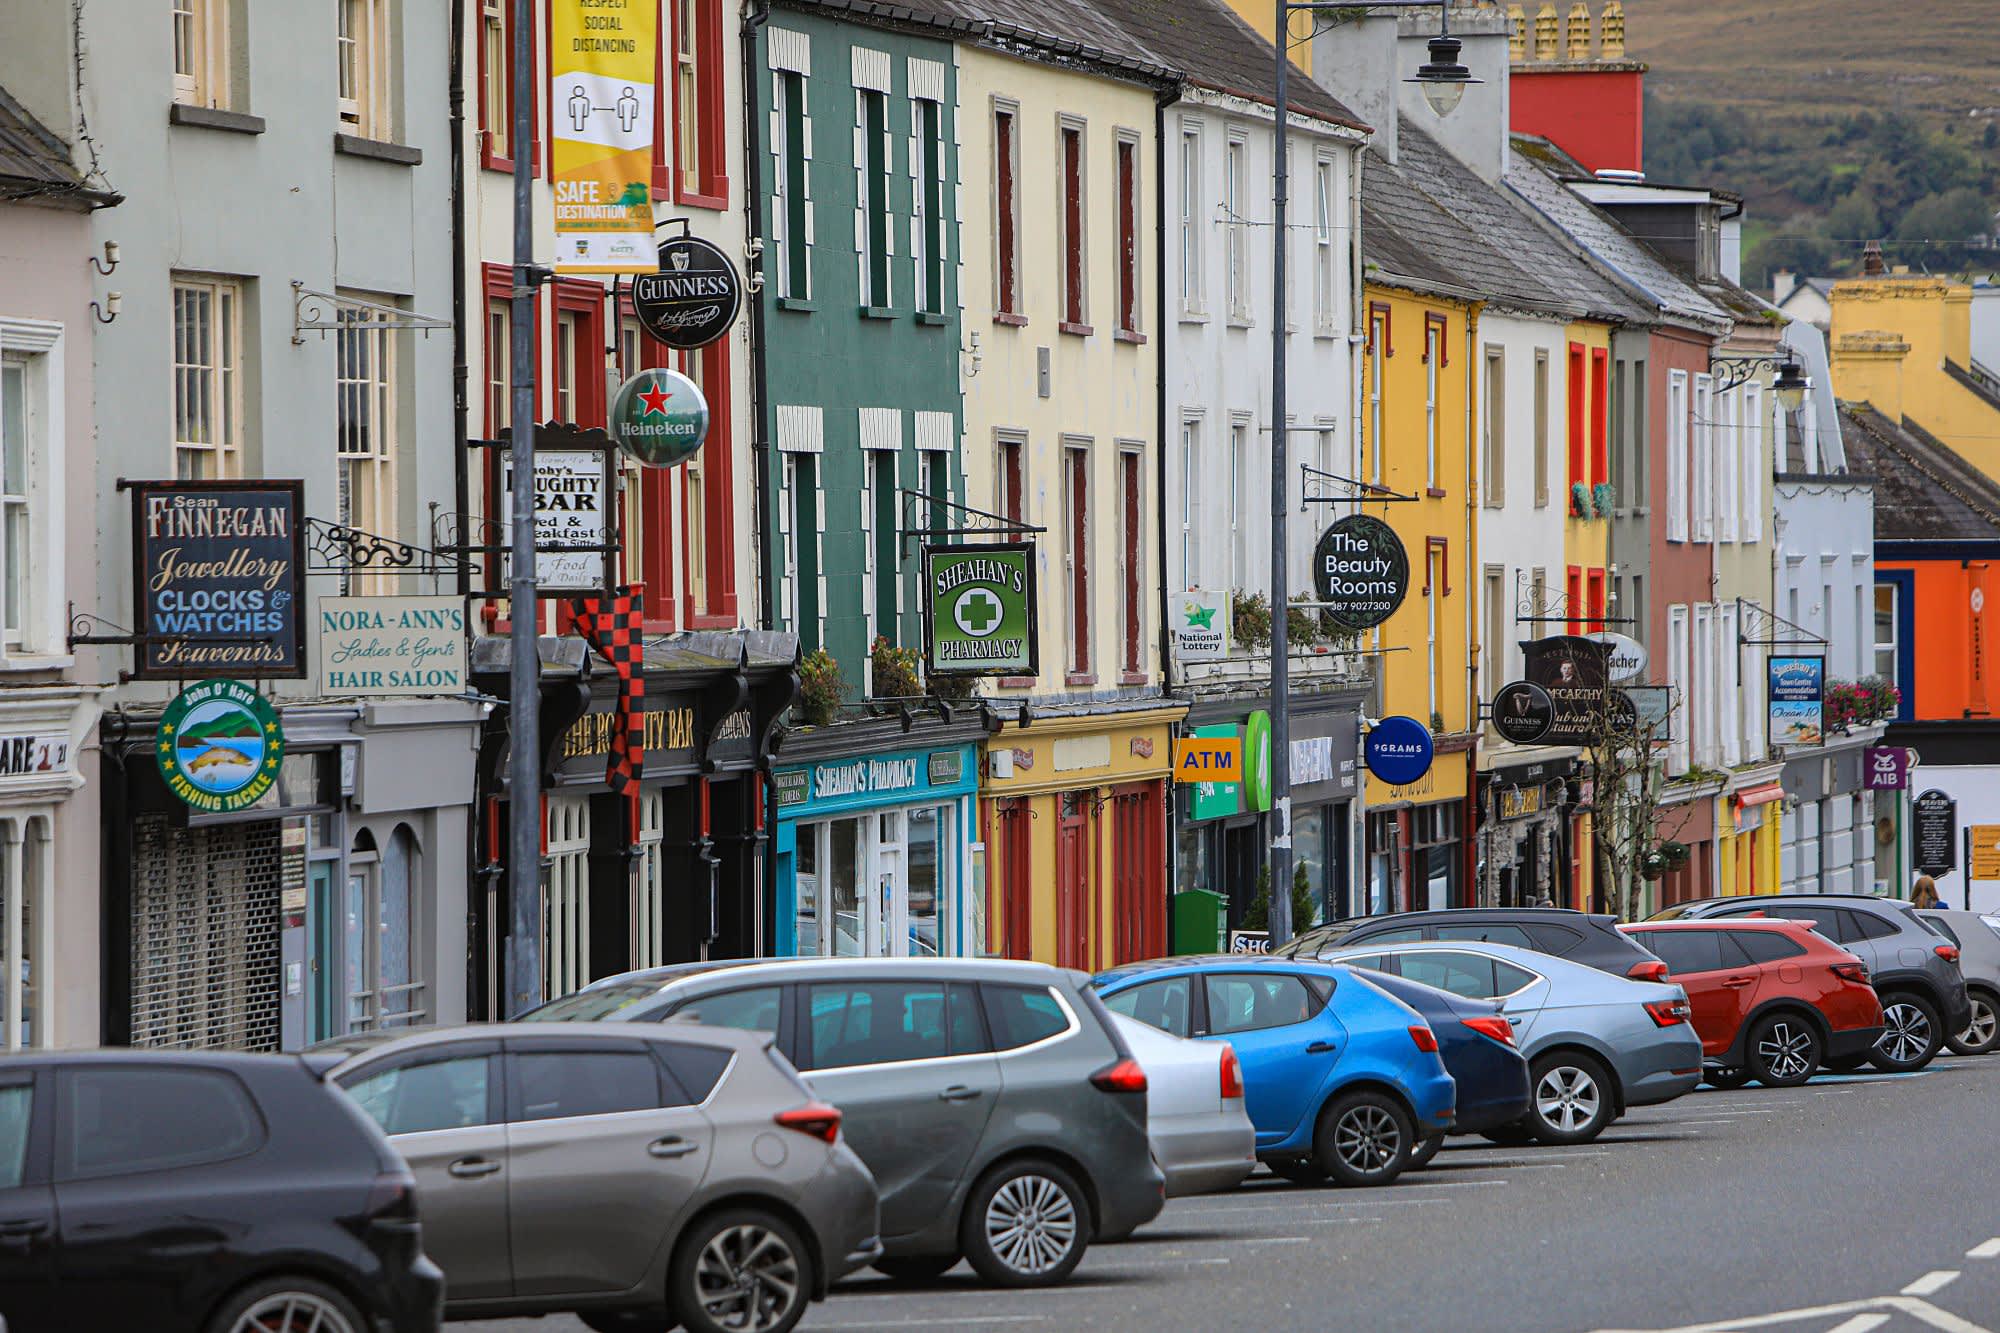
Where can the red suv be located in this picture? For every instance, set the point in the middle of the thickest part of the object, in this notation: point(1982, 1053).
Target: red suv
point(1772, 1000)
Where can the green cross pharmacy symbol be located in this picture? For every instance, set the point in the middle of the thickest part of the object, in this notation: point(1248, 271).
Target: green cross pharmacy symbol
point(977, 612)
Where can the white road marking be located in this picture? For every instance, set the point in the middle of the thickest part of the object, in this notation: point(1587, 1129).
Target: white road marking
point(1921, 1311)
point(1275, 1240)
point(941, 1323)
point(1985, 1249)
point(1934, 1281)
point(1861, 1323)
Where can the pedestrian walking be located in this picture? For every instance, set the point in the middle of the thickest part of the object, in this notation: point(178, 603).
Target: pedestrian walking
point(1924, 893)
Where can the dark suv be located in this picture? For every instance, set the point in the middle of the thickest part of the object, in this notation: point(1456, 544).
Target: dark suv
point(1914, 966)
point(1582, 937)
point(187, 1191)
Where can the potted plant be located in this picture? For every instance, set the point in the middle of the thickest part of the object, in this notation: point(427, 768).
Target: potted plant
point(1250, 618)
point(895, 669)
point(1673, 855)
point(1302, 627)
point(820, 688)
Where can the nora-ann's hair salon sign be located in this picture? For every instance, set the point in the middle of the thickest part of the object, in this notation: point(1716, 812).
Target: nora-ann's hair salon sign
point(216, 570)
point(391, 645)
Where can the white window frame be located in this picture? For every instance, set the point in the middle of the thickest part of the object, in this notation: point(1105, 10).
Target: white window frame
point(494, 18)
point(36, 348)
point(208, 379)
point(1433, 353)
point(1326, 294)
point(1677, 455)
point(1190, 502)
point(1701, 695)
point(566, 895)
point(1730, 685)
point(865, 239)
point(1377, 356)
point(366, 373)
point(929, 280)
point(1239, 484)
point(1238, 242)
point(201, 52)
point(1702, 482)
point(1190, 220)
point(790, 52)
point(1891, 645)
point(364, 39)
point(1677, 682)
point(1752, 420)
point(1728, 467)
point(686, 103)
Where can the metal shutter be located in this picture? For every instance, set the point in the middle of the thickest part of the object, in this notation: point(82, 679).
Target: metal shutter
point(205, 935)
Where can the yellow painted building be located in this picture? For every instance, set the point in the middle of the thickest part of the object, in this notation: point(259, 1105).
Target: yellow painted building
point(1903, 344)
point(1060, 371)
point(1417, 401)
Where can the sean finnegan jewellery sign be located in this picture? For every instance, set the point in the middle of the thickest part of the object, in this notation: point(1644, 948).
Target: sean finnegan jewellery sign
point(216, 567)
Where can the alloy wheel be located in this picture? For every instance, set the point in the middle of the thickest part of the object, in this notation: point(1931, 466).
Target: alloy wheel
point(292, 1312)
point(747, 1278)
point(1031, 1224)
point(1980, 1032)
point(1367, 1138)
point(1787, 1050)
point(1906, 1032)
point(1567, 1098)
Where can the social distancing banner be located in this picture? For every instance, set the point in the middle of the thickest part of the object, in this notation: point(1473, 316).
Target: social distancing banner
point(602, 58)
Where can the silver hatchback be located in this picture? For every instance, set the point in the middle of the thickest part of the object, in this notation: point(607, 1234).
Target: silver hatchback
point(635, 1176)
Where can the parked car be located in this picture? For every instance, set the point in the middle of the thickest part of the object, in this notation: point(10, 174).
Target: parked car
point(1597, 1045)
point(1477, 1044)
point(1590, 938)
point(1772, 999)
point(1201, 1135)
point(1912, 964)
point(1002, 1116)
point(1340, 1079)
point(201, 1191)
point(1978, 941)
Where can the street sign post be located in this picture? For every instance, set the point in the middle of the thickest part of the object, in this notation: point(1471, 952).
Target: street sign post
point(1936, 818)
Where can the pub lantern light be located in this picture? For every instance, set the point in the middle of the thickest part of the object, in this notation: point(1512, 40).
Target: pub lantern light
point(1443, 77)
point(1791, 386)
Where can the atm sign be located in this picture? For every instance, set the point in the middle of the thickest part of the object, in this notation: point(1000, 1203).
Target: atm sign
point(1208, 759)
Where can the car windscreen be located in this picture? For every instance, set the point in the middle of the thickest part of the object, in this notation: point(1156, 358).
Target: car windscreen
point(589, 1006)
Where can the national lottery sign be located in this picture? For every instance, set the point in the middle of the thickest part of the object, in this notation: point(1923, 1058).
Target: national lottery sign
point(979, 610)
point(602, 54)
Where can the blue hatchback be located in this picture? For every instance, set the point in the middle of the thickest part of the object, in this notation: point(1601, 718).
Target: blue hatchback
point(1340, 1079)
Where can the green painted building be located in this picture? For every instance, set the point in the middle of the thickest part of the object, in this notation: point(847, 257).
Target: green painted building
point(857, 179)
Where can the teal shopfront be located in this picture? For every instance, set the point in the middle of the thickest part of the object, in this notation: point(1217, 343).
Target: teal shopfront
point(874, 846)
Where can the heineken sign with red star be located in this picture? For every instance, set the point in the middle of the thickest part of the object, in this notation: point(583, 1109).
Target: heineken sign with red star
point(660, 417)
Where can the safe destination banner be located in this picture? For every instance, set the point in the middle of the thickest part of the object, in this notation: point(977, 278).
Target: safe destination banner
point(216, 571)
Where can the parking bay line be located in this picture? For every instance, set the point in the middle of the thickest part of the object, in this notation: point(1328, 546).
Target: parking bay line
point(1934, 1281)
point(1985, 1249)
point(942, 1322)
point(1861, 1323)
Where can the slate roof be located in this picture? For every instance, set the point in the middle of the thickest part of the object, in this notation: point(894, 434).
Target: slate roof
point(1534, 173)
point(1215, 49)
point(1062, 31)
point(1408, 239)
point(1924, 491)
point(35, 164)
point(1503, 222)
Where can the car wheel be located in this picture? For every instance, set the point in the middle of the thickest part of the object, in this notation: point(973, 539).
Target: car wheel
point(1298, 1170)
point(1783, 1050)
point(1426, 1149)
point(917, 1267)
point(1911, 1033)
point(287, 1305)
point(741, 1270)
point(1572, 1100)
point(627, 1321)
point(1725, 1078)
point(1982, 1034)
point(1026, 1225)
point(1364, 1138)
point(1513, 1134)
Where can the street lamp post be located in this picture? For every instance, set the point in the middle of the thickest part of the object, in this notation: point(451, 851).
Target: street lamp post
point(1444, 81)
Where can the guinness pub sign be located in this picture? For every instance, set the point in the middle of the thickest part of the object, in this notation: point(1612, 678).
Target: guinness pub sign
point(216, 574)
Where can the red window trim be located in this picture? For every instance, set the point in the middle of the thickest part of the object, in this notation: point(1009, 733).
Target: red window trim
point(1125, 165)
point(718, 527)
point(582, 296)
point(1132, 523)
point(711, 153)
point(1593, 582)
point(1076, 524)
point(489, 159)
point(1439, 547)
point(1388, 328)
point(1573, 607)
point(1600, 416)
point(1576, 389)
point(1443, 327)
point(1006, 224)
point(1074, 228)
point(497, 284)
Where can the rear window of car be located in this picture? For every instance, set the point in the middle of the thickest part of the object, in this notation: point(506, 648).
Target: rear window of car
point(1766, 946)
point(1939, 925)
point(1869, 926)
point(560, 1085)
point(445, 1092)
point(696, 1068)
point(1493, 933)
point(1469, 974)
point(1690, 951)
point(1830, 922)
point(1239, 1002)
point(1162, 1004)
point(1389, 935)
point(122, 1120)
point(1023, 1015)
point(753, 1009)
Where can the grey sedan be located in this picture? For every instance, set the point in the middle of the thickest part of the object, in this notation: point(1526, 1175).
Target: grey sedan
point(1003, 1117)
point(635, 1176)
point(1596, 1044)
point(1201, 1135)
point(1978, 940)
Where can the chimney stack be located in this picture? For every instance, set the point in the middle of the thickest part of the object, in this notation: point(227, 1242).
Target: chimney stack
point(1871, 260)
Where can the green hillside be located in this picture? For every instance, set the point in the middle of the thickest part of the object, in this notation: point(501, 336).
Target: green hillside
point(1839, 121)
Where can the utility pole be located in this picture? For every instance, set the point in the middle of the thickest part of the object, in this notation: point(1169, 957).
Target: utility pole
point(1280, 916)
point(524, 813)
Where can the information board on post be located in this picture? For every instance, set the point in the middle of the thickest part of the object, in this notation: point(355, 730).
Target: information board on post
point(602, 58)
point(572, 516)
point(1936, 845)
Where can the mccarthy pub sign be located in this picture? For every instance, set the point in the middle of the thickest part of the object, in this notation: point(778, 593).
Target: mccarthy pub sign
point(216, 571)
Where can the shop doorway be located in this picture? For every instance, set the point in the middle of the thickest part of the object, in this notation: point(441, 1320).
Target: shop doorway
point(1138, 900)
point(873, 885)
point(1242, 857)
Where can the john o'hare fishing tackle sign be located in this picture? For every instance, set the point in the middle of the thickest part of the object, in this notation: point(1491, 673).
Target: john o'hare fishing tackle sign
point(220, 746)
point(979, 610)
point(1360, 571)
point(216, 571)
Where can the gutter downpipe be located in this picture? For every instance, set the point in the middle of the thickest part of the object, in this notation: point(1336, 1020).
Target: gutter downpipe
point(1476, 686)
point(460, 466)
point(760, 446)
point(1162, 98)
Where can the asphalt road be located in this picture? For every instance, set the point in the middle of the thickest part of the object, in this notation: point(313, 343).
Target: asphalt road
point(1850, 1205)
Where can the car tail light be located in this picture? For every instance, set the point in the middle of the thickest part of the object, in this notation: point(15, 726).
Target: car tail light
point(1666, 1013)
point(1122, 1076)
point(1425, 1039)
point(1948, 952)
point(1856, 971)
point(1650, 970)
point(1492, 1025)
point(1232, 1073)
point(814, 1118)
point(393, 1195)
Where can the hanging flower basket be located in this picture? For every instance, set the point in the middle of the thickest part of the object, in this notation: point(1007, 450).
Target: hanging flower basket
point(1579, 500)
point(1673, 855)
